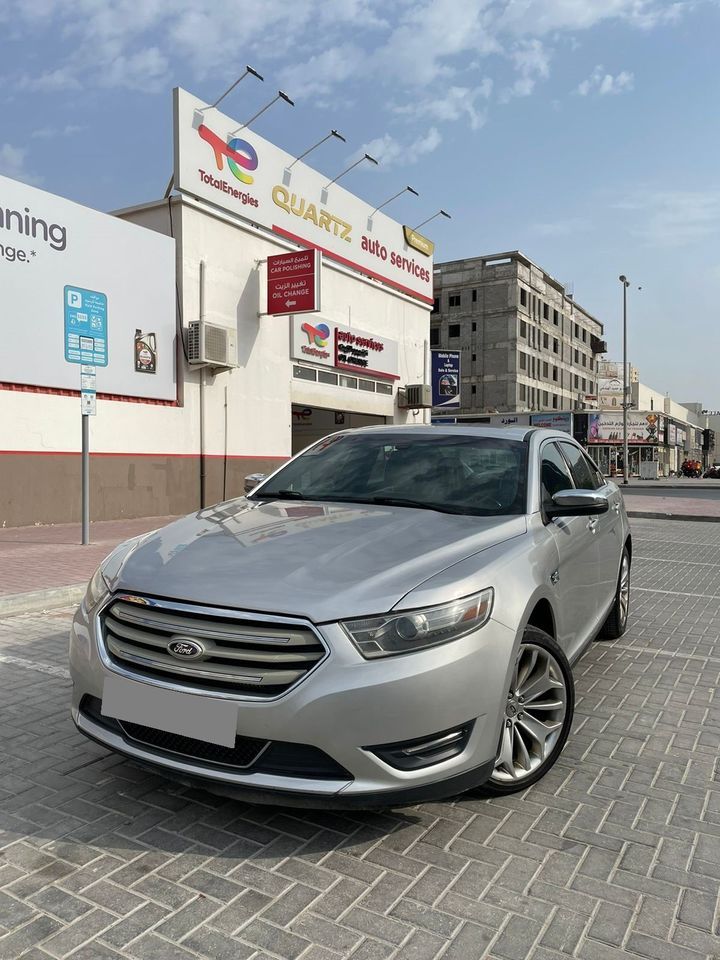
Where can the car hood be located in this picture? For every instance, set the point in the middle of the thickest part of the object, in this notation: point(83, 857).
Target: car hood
point(321, 561)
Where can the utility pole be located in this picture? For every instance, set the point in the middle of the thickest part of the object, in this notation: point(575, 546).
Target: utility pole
point(626, 403)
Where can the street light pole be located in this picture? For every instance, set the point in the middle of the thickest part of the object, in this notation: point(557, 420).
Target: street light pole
point(626, 403)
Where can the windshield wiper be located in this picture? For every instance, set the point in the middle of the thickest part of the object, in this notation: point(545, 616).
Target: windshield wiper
point(282, 495)
point(419, 504)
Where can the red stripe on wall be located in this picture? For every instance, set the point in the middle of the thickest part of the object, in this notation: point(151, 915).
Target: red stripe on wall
point(351, 263)
point(76, 453)
point(57, 392)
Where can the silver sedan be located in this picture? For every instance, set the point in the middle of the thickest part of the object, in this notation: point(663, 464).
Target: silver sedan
point(390, 617)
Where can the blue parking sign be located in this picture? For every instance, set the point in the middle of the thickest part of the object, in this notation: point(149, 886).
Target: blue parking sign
point(85, 326)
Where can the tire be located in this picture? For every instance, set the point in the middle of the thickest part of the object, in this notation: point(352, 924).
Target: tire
point(522, 758)
point(616, 623)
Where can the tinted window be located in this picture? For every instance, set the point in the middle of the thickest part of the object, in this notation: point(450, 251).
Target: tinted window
point(554, 474)
point(584, 477)
point(485, 476)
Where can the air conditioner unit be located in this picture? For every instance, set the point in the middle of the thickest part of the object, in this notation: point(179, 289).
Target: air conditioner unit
point(211, 344)
point(416, 395)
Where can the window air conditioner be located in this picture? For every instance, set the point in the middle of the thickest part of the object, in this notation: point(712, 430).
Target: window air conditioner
point(417, 395)
point(211, 344)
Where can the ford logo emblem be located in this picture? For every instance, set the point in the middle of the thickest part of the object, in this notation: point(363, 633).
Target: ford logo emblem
point(185, 649)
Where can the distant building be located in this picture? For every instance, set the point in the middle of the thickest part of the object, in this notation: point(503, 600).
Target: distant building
point(525, 344)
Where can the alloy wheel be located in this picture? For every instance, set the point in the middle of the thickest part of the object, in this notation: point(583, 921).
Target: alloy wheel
point(624, 591)
point(534, 714)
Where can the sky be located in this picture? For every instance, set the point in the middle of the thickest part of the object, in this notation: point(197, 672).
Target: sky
point(582, 132)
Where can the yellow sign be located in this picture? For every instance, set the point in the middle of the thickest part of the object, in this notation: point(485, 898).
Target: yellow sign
point(418, 242)
point(291, 203)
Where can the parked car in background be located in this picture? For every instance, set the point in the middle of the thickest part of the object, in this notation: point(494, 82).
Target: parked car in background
point(391, 616)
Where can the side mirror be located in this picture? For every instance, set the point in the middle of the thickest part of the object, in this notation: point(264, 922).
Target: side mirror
point(253, 480)
point(577, 503)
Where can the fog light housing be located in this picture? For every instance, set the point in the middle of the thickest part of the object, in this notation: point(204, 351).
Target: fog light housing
point(424, 751)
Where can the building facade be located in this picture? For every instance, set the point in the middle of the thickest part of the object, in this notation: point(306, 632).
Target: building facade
point(525, 344)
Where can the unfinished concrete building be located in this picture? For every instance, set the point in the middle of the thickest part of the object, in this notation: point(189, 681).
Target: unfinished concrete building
point(525, 343)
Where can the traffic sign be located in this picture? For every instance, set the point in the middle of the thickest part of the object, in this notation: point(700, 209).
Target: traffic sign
point(85, 326)
point(293, 282)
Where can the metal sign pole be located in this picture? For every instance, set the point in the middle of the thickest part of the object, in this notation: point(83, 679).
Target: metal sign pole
point(85, 478)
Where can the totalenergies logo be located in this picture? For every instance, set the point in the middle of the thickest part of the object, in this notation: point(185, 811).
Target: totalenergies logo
point(240, 154)
point(317, 336)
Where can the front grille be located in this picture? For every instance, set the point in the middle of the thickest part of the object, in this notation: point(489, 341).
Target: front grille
point(229, 653)
point(258, 756)
point(242, 755)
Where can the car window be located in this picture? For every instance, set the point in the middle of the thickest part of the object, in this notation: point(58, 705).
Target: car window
point(554, 474)
point(595, 471)
point(461, 473)
point(584, 477)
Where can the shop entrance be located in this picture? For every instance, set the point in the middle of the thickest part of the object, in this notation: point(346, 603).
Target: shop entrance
point(312, 423)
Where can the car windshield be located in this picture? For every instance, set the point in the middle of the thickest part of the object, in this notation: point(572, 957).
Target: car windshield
point(484, 476)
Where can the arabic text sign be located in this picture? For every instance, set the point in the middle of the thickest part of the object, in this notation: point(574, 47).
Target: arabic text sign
point(293, 282)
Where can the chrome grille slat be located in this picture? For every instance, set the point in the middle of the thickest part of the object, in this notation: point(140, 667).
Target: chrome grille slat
point(236, 653)
point(176, 623)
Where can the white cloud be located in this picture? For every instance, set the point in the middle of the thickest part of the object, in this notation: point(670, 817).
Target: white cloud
point(147, 69)
point(453, 104)
point(673, 218)
point(390, 152)
point(12, 164)
point(52, 133)
point(51, 81)
point(605, 83)
point(531, 60)
point(322, 73)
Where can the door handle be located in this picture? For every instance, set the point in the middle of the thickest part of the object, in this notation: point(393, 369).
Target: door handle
point(616, 507)
point(592, 526)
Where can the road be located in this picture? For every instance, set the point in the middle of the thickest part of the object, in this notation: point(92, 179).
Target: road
point(615, 855)
point(685, 492)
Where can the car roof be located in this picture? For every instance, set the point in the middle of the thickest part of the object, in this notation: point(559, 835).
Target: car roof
point(519, 433)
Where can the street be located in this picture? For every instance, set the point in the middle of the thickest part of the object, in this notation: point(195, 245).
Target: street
point(615, 854)
point(702, 491)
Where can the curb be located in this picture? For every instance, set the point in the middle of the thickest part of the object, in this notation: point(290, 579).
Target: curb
point(643, 515)
point(38, 600)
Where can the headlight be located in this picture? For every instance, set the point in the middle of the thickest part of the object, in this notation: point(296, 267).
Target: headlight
point(417, 629)
point(99, 586)
point(96, 589)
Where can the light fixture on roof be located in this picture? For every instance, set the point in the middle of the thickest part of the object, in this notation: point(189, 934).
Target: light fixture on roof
point(279, 96)
point(248, 71)
point(390, 200)
point(440, 213)
point(324, 191)
point(333, 134)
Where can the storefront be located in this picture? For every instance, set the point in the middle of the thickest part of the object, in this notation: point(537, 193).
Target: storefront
point(647, 453)
point(233, 374)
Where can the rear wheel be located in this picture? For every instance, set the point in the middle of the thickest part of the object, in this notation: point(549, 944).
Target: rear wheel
point(616, 623)
point(537, 716)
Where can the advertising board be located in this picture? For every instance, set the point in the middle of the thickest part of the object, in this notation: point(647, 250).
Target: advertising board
point(218, 160)
point(293, 282)
point(553, 421)
point(343, 348)
point(75, 286)
point(608, 427)
point(446, 378)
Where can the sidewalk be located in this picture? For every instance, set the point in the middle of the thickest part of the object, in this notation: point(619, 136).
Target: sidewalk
point(672, 508)
point(48, 566)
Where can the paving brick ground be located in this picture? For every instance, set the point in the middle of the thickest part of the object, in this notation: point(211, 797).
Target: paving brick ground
point(39, 558)
point(614, 855)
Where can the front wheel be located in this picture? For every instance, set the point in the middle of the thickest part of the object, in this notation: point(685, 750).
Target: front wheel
point(616, 623)
point(537, 715)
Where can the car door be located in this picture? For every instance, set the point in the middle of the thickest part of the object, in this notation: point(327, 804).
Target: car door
point(606, 527)
point(574, 580)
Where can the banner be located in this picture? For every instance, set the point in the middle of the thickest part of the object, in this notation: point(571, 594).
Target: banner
point(553, 421)
point(445, 378)
point(608, 427)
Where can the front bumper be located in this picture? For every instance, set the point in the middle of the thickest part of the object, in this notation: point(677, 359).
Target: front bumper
point(341, 708)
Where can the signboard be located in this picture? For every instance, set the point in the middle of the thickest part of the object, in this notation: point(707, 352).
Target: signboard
point(51, 248)
point(672, 434)
point(418, 242)
point(293, 282)
point(553, 421)
point(445, 373)
point(610, 383)
point(608, 427)
point(88, 397)
point(85, 326)
point(234, 168)
point(344, 348)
